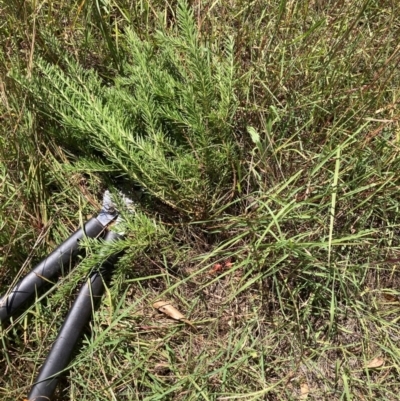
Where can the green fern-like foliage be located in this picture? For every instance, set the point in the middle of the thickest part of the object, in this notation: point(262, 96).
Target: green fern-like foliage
point(165, 121)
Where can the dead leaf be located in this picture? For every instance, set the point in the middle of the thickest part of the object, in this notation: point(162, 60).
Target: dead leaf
point(168, 309)
point(220, 267)
point(171, 311)
point(390, 298)
point(216, 268)
point(304, 390)
point(375, 363)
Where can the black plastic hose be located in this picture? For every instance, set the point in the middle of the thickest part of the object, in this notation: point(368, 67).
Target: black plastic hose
point(76, 320)
point(47, 269)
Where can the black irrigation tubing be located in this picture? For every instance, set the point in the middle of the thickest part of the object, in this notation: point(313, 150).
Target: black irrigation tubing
point(47, 269)
point(74, 324)
point(83, 307)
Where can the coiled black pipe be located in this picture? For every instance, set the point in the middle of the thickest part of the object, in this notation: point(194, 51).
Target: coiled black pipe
point(47, 269)
point(77, 318)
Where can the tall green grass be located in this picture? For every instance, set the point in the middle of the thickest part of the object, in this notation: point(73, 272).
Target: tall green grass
point(264, 135)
